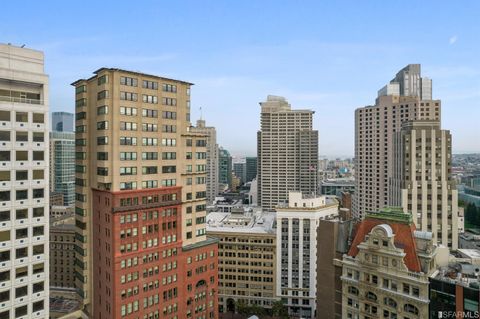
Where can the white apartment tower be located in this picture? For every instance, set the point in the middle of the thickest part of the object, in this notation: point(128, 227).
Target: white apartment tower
point(422, 183)
point(24, 181)
point(297, 224)
point(287, 149)
point(375, 127)
point(212, 158)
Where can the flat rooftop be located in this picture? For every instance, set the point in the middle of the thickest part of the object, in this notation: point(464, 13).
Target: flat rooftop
point(256, 222)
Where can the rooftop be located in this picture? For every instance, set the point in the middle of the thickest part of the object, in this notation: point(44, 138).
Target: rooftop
point(402, 227)
point(137, 73)
point(257, 222)
point(460, 273)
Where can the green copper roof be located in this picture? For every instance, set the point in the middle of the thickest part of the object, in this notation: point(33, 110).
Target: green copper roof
point(394, 214)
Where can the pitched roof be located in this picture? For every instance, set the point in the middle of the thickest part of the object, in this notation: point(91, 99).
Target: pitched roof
point(404, 238)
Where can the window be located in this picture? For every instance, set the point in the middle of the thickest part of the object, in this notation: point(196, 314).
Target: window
point(169, 169)
point(128, 111)
point(38, 174)
point(150, 184)
point(149, 170)
point(128, 156)
point(102, 79)
point(169, 115)
point(128, 126)
point(150, 85)
point(149, 113)
point(21, 116)
point(128, 170)
point(102, 171)
point(169, 88)
point(5, 116)
point(101, 110)
point(410, 309)
point(169, 142)
point(149, 155)
point(149, 141)
point(102, 156)
point(38, 155)
point(21, 155)
point(103, 125)
point(128, 96)
point(102, 95)
point(169, 155)
point(21, 136)
point(147, 127)
point(102, 140)
point(128, 185)
point(169, 128)
point(4, 196)
point(153, 99)
point(169, 101)
point(38, 193)
point(21, 194)
point(128, 81)
point(4, 155)
point(128, 140)
point(169, 182)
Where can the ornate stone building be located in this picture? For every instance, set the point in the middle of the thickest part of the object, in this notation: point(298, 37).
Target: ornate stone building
point(386, 271)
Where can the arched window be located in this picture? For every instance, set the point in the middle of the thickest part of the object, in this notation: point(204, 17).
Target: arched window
point(390, 302)
point(353, 290)
point(371, 296)
point(410, 309)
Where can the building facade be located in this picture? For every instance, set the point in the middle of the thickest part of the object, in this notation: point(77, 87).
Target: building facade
point(246, 258)
point(422, 182)
point(212, 158)
point(24, 200)
point(251, 170)
point(141, 181)
point(375, 128)
point(287, 149)
point(62, 122)
point(297, 224)
point(386, 271)
point(62, 165)
point(333, 237)
point(224, 168)
point(62, 253)
point(240, 171)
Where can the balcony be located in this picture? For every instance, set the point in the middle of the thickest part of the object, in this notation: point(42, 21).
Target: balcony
point(23, 100)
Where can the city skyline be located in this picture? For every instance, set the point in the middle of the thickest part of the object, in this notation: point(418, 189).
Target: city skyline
point(329, 66)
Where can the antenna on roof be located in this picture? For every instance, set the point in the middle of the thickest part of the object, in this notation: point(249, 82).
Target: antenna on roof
point(201, 114)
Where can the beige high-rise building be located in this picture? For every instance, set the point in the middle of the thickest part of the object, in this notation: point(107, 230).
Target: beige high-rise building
point(212, 158)
point(422, 182)
point(298, 249)
point(287, 149)
point(386, 271)
point(375, 127)
point(24, 184)
point(141, 200)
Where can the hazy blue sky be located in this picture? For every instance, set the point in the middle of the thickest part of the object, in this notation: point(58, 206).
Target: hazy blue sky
point(331, 57)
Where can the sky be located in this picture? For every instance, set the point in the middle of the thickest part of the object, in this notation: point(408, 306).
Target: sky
point(329, 56)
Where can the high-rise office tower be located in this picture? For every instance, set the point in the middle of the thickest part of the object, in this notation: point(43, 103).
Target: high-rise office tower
point(62, 165)
point(62, 121)
point(287, 149)
point(224, 167)
point(375, 126)
point(251, 173)
point(24, 228)
point(422, 182)
point(409, 82)
point(212, 158)
point(298, 248)
point(240, 170)
point(141, 200)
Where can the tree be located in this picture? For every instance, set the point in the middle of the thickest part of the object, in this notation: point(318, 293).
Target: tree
point(279, 310)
